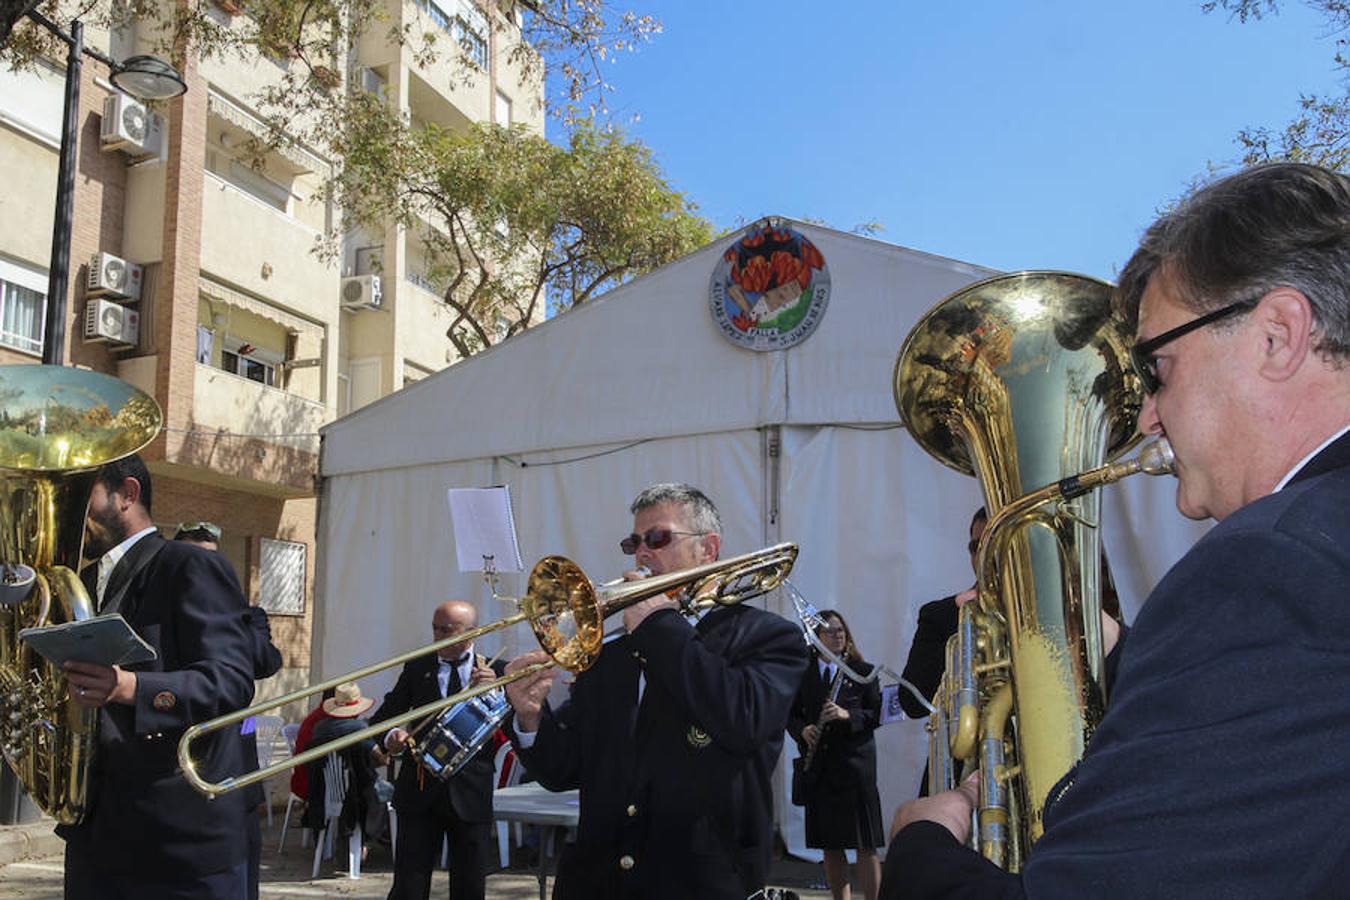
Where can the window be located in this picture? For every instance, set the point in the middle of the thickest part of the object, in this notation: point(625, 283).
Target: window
point(243, 358)
point(503, 110)
point(281, 589)
point(22, 314)
point(472, 42)
point(255, 184)
point(466, 25)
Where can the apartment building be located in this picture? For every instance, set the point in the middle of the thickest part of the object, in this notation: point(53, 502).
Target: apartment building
point(193, 275)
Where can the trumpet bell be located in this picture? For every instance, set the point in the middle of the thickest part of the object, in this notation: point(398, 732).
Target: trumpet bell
point(563, 611)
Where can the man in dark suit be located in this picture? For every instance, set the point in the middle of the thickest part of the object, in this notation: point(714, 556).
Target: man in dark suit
point(428, 809)
point(937, 623)
point(266, 663)
point(1214, 772)
point(673, 735)
point(148, 833)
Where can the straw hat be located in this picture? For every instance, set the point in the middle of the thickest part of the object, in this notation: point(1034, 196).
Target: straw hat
point(347, 702)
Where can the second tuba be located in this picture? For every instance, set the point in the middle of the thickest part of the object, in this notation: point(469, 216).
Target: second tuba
point(57, 427)
point(1022, 380)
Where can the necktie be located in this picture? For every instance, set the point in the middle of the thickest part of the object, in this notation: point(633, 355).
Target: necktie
point(453, 683)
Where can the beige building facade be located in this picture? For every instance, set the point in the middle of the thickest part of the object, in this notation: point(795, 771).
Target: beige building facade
point(193, 276)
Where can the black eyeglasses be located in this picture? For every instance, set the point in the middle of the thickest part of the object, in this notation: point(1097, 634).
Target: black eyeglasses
point(1142, 354)
point(655, 539)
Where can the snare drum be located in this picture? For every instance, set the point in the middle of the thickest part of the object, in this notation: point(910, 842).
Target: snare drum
point(460, 731)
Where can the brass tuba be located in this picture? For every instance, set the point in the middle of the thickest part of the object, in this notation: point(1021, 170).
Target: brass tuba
point(1023, 380)
point(57, 427)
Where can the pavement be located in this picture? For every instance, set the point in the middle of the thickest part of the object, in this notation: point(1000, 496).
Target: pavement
point(31, 869)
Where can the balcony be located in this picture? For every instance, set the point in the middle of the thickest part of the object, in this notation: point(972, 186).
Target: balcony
point(243, 430)
point(265, 251)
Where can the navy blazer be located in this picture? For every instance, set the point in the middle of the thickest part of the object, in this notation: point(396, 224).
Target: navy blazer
point(1218, 769)
point(682, 786)
point(848, 756)
point(470, 791)
point(927, 660)
point(145, 819)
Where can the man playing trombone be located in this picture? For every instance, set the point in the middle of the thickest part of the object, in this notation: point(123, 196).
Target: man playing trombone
point(673, 735)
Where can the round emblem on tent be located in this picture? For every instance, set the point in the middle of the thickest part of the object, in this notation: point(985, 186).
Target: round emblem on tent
point(770, 288)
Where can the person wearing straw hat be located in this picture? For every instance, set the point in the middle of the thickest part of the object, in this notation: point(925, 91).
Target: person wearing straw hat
point(343, 710)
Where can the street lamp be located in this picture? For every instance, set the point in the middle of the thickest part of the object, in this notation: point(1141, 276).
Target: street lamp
point(143, 77)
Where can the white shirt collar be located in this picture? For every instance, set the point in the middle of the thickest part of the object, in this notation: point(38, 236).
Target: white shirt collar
point(108, 561)
point(1305, 460)
point(467, 658)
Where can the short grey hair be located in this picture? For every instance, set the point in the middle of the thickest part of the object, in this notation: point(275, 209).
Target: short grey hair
point(700, 510)
point(1270, 226)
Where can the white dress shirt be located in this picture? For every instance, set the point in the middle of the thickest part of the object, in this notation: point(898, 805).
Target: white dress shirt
point(108, 561)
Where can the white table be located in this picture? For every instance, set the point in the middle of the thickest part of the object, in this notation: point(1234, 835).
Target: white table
point(533, 804)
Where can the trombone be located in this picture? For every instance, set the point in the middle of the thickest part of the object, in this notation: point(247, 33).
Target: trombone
point(566, 612)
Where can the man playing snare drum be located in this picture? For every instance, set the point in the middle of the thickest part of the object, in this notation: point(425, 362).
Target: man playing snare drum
point(459, 808)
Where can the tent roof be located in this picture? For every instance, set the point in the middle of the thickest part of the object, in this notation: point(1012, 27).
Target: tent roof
point(647, 361)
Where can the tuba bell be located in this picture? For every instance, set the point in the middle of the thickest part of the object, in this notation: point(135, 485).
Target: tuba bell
point(57, 427)
point(1023, 380)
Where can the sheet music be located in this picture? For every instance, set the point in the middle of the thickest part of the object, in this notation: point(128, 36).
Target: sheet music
point(107, 640)
point(484, 528)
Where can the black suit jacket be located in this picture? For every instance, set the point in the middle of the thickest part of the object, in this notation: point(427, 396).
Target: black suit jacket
point(847, 756)
point(266, 663)
point(470, 790)
point(928, 653)
point(144, 817)
point(682, 786)
point(1217, 769)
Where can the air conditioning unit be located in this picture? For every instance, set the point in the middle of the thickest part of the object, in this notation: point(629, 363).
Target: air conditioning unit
point(361, 292)
point(110, 322)
point(113, 276)
point(128, 126)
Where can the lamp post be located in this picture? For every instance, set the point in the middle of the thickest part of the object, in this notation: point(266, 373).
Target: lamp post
point(143, 77)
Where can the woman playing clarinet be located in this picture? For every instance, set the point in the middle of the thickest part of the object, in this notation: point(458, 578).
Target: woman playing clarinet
point(832, 721)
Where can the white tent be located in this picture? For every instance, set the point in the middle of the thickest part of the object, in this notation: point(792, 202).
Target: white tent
point(579, 414)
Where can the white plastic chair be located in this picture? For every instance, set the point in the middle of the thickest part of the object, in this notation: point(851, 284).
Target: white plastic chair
point(266, 729)
point(289, 732)
point(508, 772)
point(336, 778)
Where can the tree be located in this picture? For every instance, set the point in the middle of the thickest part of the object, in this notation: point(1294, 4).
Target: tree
point(516, 222)
point(1320, 133)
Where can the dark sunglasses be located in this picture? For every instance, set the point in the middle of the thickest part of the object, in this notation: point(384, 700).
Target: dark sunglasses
point(655, 539)
point(1143, 356)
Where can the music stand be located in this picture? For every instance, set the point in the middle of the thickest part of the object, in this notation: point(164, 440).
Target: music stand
point(485, 532)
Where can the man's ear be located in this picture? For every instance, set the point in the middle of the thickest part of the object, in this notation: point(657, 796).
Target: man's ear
point(130, 489)
point(712, 545)
point(1285, 320)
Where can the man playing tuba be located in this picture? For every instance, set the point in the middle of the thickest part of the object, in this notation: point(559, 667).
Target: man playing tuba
point(1216, 771)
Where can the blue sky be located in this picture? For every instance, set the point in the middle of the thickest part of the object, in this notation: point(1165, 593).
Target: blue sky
point(1037, 134)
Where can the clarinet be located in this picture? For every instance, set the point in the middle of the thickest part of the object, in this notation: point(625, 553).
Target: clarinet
point(835, 685)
